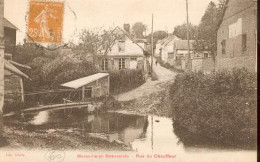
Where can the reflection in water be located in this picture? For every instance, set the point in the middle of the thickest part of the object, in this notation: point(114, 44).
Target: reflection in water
point(41, 118)
point(125, 128)
point(142, 133)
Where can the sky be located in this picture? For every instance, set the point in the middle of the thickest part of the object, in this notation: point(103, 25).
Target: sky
point(92, 14)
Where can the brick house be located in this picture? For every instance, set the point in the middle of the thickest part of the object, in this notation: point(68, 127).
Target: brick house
point(123, 52)
point(237, 35)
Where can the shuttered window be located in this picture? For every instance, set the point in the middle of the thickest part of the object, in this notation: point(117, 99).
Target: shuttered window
point(121, 63)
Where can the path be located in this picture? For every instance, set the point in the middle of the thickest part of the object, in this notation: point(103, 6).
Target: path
point(164, 76)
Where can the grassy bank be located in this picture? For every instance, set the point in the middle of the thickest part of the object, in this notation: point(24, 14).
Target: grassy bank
point(221, 107)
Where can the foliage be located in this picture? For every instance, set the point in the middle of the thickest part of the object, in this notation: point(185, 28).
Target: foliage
point(168, 66)
point(207, 29)
point(138, 29)
point(124, 80)
point(181, 31)
point(220, 106)
point(93, 41)
point(157, 35)
point(59, 71)
point(50, 68)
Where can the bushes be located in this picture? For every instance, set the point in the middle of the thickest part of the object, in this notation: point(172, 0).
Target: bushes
point(168, 66)
point(125, 80)
point(221, 106)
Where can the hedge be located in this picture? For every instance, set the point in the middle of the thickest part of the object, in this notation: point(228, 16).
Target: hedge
point(168, 66)
point(220, 106)
point(125, 80)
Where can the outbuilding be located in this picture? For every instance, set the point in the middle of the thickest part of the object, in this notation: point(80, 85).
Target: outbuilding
point(93, 86)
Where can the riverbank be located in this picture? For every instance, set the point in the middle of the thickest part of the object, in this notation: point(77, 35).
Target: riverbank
point(156, 103)
point(14, 138)
point(221, 107)
point(217, 109)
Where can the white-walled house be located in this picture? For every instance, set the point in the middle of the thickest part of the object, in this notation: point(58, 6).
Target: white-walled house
point(123, 53)
point(164, 47)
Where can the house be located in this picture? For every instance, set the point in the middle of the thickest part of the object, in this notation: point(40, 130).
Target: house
point(159, 46)
point(200, 61)
point(123, 52)
point(13, 77)
point(237, 35)
point(93, 86)
point(9, 37)
point(165, 48)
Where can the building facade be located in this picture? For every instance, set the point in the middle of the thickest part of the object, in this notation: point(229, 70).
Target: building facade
point(123, 53)
point(93, 86)
point(165, 48)
point(237, 36)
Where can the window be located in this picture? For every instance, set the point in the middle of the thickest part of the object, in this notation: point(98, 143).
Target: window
point(206, 55)
point(121, 63)
point(121, 46)
point(133, 59)
point(244, 42)
point(104, 64)
point(88, 92)
point(223, 45)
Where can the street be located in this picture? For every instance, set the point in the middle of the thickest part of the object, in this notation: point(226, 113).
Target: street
point(165, 76)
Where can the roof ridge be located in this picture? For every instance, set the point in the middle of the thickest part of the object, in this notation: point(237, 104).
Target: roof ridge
point(9, 23)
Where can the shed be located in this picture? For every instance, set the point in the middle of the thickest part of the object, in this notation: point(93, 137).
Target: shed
point(92, 86)
point(14, 91)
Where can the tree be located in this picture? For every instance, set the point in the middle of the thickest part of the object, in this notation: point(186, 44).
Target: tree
point(207, 29)
point(157, 35)
point(181, 31)
point(138, 29)
point(94, 41)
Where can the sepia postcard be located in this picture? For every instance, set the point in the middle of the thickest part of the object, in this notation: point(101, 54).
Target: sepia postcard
point(128, 80)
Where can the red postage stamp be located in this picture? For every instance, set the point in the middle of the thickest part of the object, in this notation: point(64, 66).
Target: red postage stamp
point(45, 21)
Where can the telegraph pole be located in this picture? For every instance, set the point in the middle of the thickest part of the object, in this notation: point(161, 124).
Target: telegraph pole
point(1, 56)
point(188, 61)
point(152, 47)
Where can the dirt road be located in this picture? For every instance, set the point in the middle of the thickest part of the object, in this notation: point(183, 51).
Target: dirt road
point(164, 76)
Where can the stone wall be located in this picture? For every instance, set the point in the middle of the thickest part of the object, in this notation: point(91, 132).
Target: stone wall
point(100, 88)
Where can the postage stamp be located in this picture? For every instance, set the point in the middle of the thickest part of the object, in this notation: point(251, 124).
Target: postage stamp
point(45, 21)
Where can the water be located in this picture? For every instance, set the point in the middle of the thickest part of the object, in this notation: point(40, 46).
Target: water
point(145, 134)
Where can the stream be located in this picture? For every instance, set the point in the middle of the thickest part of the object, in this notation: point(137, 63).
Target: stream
point(145, 134)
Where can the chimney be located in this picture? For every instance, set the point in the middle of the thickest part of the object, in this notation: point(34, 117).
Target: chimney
point(127, 28)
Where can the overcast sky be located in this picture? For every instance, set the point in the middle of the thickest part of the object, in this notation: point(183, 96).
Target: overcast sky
point(108, 13)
